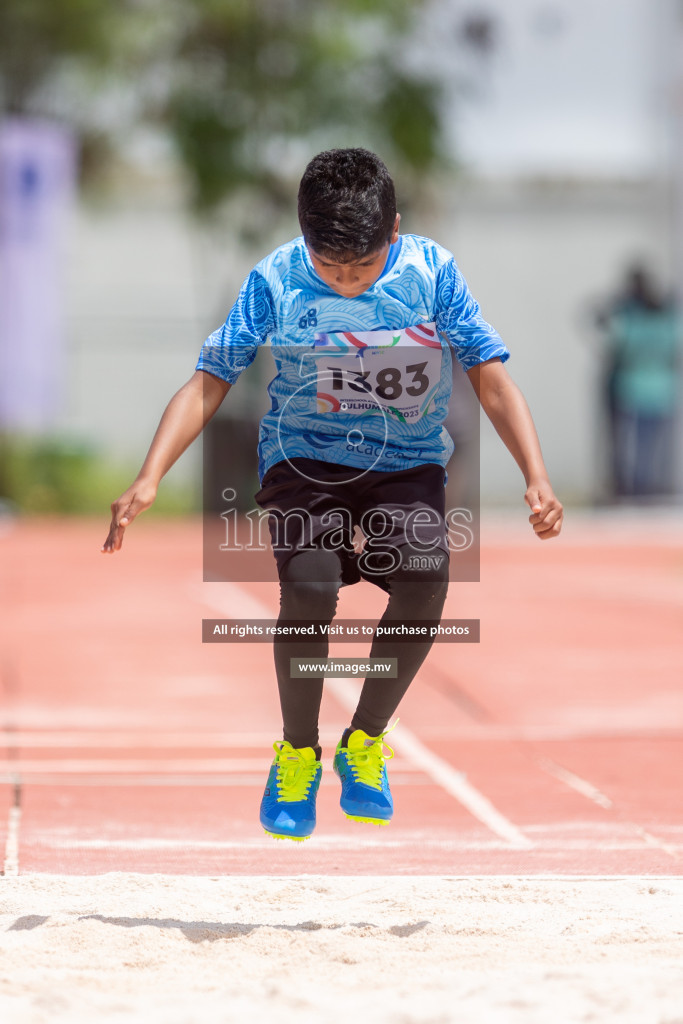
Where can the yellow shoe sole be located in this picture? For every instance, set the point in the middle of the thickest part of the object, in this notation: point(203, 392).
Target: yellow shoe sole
point(295, 839)
point(368, 821)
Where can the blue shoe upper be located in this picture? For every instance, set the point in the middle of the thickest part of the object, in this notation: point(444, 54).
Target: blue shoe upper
point(288, 804)
point(363, 775)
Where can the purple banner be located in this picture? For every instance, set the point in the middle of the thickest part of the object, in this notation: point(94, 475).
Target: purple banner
point(37, 185)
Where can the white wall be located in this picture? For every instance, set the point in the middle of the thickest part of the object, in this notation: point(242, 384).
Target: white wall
point(141, 300)
point(145, 288)
point(575, 90)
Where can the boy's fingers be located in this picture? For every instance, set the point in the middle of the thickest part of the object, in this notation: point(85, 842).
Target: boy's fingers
point(542, 522)
point(546, 514)
point(115, 535)
point(122, 516)
point(548, 525)
point(547, 532)
point(125, 509)
point(114, 538)
point(124, 513)
point(539, 512)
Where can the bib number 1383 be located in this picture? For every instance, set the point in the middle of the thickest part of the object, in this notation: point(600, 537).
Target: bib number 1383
point(395, 371)
point(389, 382)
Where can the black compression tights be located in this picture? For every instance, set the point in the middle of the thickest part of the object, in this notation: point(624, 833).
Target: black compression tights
point(413, 594)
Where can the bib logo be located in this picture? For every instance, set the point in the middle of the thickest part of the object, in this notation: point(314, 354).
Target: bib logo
point(310, 320)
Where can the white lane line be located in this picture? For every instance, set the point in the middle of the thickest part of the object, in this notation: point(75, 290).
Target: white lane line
point(76, 766)
point(442, 773)
point(587, 789)
point(629, 728)
point(659, 844)
point(85, 739)
point(575, 782)
point(123, 780)
point(320, 843)
point(101, 737)
point(10, 868)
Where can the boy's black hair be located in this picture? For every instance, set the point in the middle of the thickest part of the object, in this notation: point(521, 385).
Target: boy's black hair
point(347, 204)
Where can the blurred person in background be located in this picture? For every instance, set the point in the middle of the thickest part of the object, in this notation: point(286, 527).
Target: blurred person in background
point(640, 385)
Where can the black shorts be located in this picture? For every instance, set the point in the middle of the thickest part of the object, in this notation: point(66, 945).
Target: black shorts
point(319, 504)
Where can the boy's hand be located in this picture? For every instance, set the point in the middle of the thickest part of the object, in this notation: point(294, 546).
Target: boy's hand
point(546, 511)
point(132, 502)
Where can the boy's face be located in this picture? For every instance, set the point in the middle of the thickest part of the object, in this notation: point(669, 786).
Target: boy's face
point(353, 278)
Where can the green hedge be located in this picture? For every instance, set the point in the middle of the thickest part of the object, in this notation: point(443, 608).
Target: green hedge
point(58, 477)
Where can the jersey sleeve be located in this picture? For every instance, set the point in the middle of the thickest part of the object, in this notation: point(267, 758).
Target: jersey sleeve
point(459, 319)
point(232, 347)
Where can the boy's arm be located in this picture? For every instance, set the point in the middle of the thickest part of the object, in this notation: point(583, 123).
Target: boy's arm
point(504, 404)
point(184, 418)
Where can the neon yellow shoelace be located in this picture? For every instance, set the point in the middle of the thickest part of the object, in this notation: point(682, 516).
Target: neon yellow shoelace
point(295, 774)
point(367, 763)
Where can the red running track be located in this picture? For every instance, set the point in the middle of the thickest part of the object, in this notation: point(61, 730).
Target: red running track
point(552, 747)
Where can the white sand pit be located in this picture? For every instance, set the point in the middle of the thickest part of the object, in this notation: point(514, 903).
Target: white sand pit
point(313, 949)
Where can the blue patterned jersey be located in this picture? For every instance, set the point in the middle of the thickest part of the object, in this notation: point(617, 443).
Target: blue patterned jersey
point(364, 381)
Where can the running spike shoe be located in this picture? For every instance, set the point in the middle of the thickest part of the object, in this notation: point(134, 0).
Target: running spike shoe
point(365, 794)
point(288, 804)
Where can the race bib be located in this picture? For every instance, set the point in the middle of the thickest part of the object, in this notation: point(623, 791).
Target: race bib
point(387, 372)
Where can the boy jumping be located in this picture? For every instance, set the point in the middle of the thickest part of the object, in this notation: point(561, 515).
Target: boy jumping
point(362, 322)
